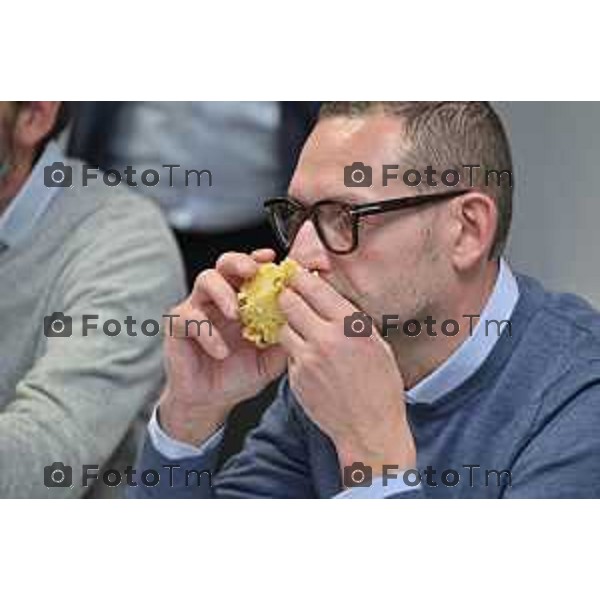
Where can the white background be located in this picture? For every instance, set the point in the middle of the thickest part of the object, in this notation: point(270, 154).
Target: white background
point(298, 51)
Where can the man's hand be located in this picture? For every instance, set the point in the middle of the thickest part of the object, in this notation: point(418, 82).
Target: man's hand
point(208, 373)
point(350, 387)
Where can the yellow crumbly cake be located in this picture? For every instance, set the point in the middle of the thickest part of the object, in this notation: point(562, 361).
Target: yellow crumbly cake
point(257, 298)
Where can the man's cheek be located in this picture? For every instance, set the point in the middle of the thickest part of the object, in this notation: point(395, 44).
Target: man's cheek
point(350, 285)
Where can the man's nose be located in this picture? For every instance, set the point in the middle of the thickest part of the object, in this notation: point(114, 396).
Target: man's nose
point(308, 250)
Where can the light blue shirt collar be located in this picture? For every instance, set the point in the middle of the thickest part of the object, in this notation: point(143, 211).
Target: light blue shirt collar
point(27, 207)
point(473, 352)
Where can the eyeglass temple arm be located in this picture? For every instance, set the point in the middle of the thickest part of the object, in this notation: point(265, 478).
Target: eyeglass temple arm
point(398, 203)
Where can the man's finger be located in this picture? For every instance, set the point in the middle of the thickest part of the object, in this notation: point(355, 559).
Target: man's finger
point(299, 314)
point(211, 286)
point(237, 265)
point(291, 341)
point(320, 296)
point(264, 255)
point(193, 323)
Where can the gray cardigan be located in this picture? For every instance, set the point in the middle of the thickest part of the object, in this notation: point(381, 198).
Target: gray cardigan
point(77, 400)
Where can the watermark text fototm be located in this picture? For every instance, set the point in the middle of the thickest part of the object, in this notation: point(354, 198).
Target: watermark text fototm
point(59, 475)
point(359, 175)
point(60, 175)
point(359, 475)
point(360, 324)
point(60, 325)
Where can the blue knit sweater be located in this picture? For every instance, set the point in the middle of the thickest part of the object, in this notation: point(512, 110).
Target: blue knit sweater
point(526, 425)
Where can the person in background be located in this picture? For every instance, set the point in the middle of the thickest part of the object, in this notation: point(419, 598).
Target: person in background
point(71, 254)
point(250, 150)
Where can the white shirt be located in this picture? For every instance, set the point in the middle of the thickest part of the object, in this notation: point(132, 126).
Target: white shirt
point(32, 201)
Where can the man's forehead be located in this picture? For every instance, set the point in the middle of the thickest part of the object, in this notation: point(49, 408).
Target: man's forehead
point(338, 142)
point(375, 136)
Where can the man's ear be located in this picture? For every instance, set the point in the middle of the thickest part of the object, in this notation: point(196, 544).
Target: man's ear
point(476, 215)
point(34, 122)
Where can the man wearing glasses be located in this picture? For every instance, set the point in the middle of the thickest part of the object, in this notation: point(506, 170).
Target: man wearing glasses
point(469, 411)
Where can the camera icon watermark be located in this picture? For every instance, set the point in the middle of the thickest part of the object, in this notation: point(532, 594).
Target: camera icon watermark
point(58, 175)
point(58, 325)
point(358, 475)
point(58, 475)
point(358, 175)
point(358, 325)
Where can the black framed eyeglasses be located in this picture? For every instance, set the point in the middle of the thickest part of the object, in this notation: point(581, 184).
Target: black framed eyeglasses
point(335, 221)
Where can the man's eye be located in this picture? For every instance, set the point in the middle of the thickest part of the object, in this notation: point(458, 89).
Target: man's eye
point(339, 219)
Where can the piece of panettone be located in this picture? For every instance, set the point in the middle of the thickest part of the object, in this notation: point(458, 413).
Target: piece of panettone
point(259, 311)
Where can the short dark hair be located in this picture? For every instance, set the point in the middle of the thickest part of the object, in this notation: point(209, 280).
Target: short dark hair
point(450, 135)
